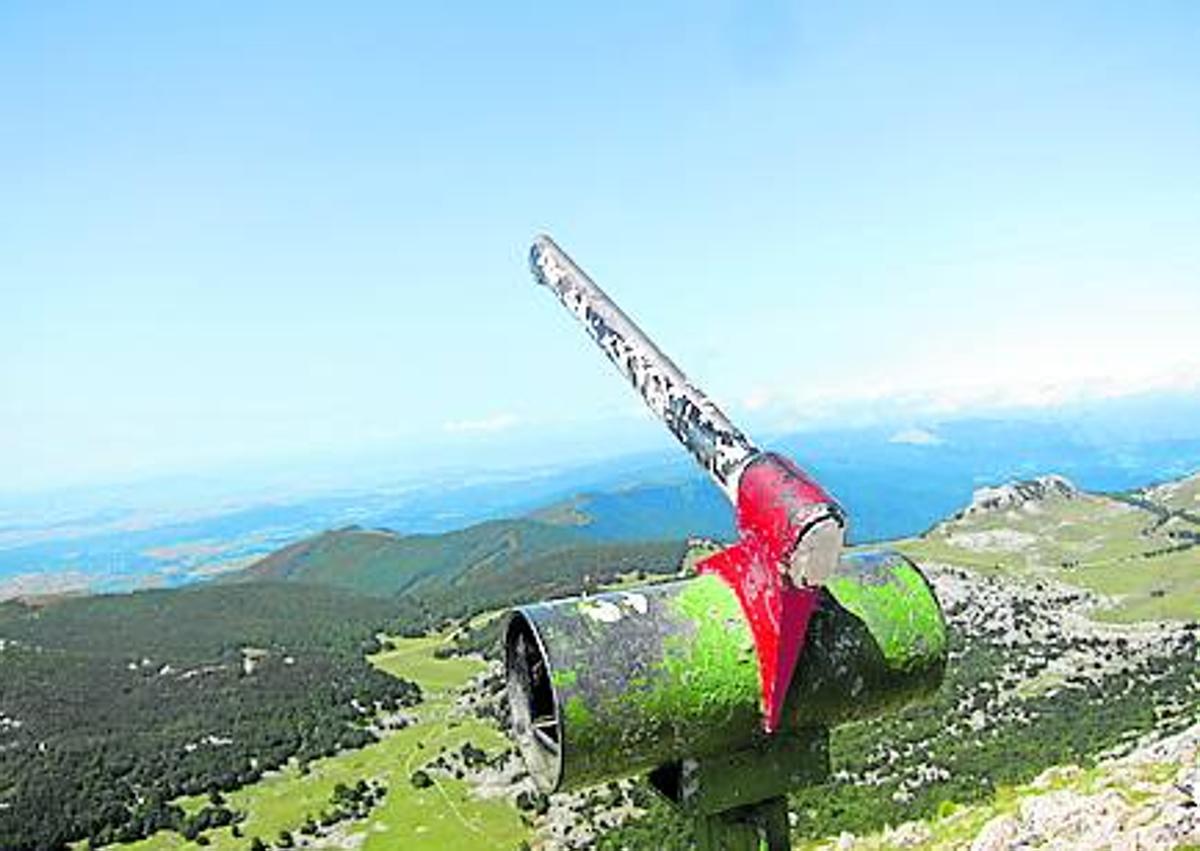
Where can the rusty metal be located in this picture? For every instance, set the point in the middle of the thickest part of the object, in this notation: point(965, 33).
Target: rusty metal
point(626, 682)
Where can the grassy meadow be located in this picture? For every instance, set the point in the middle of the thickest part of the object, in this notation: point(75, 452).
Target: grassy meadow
point(1136, 552)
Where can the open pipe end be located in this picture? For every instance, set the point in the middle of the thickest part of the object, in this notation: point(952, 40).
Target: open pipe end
point(536, 720)
point(542, 253)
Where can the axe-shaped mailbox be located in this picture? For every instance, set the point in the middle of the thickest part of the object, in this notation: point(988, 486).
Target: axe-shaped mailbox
point(722, 686)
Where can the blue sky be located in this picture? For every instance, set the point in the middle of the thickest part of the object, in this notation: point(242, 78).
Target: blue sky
point(233, 233)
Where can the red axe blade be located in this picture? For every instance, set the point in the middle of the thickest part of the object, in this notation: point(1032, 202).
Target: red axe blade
point(790, 535)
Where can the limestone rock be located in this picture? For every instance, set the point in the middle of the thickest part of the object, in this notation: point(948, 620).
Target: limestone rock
point(1019, 494)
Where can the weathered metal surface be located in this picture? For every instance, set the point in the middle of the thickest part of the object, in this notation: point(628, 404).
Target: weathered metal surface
point(761, 827)
point(770, 768)
point(791, 530)
point(880, 647)
point(691, 416)
point(624, 682)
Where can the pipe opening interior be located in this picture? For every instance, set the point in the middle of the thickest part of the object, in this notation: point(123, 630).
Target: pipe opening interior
point(535, 719)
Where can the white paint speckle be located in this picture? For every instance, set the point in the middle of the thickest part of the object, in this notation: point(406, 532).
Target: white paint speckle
point(636, 601)
point(604, 611)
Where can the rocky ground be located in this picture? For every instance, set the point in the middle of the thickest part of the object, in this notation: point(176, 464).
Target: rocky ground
point(1144, 801)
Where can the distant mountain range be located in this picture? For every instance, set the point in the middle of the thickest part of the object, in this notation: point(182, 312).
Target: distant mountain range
point(1139, 546)
point(895, 481)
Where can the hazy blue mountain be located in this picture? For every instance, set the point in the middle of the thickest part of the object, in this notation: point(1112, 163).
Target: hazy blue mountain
point(895, 480)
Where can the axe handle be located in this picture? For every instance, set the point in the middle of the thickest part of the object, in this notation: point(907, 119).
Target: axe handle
point(718, 446)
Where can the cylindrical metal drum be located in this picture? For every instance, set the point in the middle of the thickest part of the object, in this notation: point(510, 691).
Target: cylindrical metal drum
point(622, 682)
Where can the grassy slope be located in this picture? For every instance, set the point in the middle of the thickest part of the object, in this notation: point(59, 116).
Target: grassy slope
point(443, 816)
point(380, 562)
point(1115, 547)
point(1183, 495)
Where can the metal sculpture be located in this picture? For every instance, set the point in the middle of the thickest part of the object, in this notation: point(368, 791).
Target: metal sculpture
point(721, 687)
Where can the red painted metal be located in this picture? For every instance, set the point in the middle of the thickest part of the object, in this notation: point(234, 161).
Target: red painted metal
point(776, 504)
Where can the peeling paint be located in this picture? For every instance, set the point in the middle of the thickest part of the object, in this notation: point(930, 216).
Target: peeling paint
point(790, 530)
point(693, 675)
point(891, 595)
point(604, 611)
point(692, 417)
point(682, 680)
point(635, 601)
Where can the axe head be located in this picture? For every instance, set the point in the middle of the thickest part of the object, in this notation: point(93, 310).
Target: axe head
point(790, 538)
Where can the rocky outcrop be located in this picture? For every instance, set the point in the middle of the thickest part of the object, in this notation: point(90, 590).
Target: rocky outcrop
point(1147, 800)
point(1018, 494)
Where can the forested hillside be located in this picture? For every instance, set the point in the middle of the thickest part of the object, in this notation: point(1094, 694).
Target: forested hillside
point(459, 573)
point(110, 707)
point(382, 562)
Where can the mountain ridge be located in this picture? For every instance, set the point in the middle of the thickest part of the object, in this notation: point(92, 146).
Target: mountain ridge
point(1042, 526)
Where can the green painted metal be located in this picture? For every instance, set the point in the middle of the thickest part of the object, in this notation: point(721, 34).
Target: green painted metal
point(724, 782)
point(888, 594)
point(738, 801)
point(881, 646)
point(761, 827)
point(624, 682)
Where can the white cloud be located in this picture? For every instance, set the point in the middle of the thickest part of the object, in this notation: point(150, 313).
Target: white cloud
point(916, 437)
point(1018, 377)
point(493, 423)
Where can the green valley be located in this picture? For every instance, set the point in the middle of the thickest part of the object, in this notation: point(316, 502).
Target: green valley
point(443, 815)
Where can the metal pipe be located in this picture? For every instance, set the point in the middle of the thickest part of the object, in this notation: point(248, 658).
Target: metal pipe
point(691, 416)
